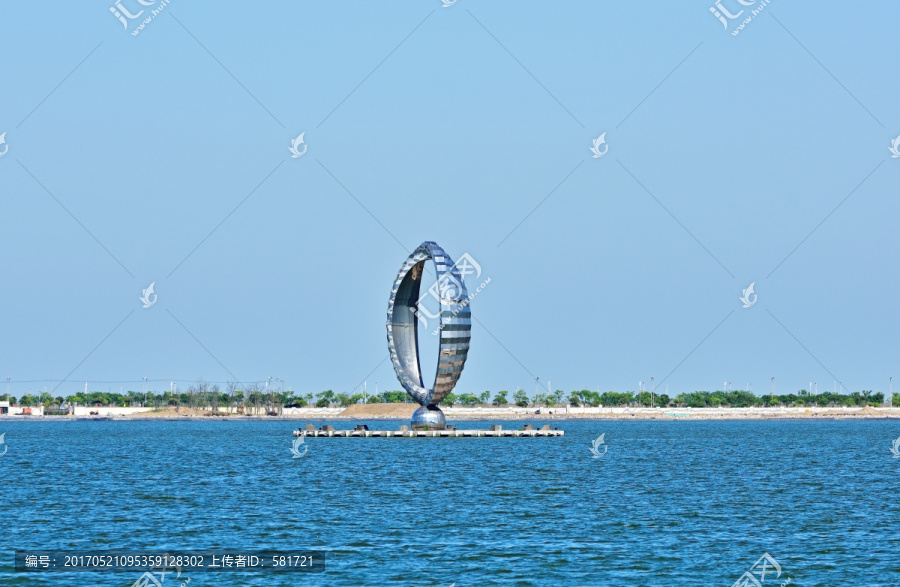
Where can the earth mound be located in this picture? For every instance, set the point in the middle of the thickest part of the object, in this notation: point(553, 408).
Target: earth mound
point(364, 411)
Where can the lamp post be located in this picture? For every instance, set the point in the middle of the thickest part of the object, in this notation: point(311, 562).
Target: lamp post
point(651, 391)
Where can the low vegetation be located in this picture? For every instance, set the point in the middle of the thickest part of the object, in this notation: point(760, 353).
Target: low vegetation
point(203, 396)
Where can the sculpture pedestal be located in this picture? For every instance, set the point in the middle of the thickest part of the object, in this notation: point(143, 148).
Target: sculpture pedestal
point(428, 418)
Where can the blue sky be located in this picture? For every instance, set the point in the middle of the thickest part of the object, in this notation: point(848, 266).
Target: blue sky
point(163, 157)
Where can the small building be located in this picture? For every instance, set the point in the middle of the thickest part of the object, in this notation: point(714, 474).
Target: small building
point(8, 410)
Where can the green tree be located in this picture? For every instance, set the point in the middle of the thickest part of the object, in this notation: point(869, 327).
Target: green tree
point(450, 399)
point(698, 399)
point(587, 397)
point(256, 398)
point(468, 399)
point(214, 395)
point(612, 398)
point(557, 397)
point(394, 397)
point(521, 398)
point(500, 398)
point(485, 397)
point(325, 399)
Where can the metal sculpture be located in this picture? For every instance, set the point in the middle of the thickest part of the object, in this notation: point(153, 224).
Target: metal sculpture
point(403, 316)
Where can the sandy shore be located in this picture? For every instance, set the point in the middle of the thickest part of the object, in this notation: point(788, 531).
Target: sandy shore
point(404, 411)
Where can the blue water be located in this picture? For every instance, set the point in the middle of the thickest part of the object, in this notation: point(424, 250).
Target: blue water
point(671, 503)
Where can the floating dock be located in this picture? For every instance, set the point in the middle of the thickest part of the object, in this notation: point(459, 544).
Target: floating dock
point(528, 432)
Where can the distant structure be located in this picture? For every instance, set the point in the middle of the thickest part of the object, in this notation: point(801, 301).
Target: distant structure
point(455, 330)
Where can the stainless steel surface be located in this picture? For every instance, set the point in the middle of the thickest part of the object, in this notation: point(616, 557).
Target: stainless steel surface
point(455, 323)
point(428, 418)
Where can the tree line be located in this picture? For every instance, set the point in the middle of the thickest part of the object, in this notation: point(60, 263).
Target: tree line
point(731, 399)
point(204, 396)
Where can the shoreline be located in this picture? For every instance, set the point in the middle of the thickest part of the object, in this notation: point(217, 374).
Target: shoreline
point(402, 413)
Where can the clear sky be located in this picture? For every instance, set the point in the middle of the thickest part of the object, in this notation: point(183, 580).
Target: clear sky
point(163, 156)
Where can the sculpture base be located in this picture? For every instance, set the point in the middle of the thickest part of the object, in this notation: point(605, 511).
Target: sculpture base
point(428, 418)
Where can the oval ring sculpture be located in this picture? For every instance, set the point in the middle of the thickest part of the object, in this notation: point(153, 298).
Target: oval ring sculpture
point(402, 334)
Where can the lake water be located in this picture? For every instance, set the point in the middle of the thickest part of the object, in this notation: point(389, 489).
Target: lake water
point(670, 503)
